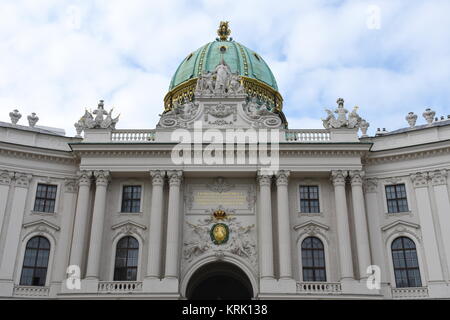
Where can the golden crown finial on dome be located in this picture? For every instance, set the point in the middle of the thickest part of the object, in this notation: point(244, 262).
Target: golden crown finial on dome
point(224, 31)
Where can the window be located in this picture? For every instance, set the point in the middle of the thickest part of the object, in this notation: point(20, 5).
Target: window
point(127, 252)
point(313, 260)
point(309, 199)
point(35, 262)
point(45, 198)
point(131, 199)
point(406, 264)
point(396, 198)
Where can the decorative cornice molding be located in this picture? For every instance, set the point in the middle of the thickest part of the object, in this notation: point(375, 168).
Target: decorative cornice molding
point(312, 228)
point(41, 222)
point(68, 158)
point(407, 156)
point(128, 227)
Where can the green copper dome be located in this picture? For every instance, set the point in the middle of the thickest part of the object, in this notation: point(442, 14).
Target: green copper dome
point(239, 58)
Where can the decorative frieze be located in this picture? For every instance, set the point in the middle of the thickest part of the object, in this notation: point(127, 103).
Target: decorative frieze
point(419, 179)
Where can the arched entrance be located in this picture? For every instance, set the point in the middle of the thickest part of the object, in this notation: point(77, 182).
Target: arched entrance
point(219, 281)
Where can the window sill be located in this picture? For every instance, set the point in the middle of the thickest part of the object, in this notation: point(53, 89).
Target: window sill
point(398, 214)
point(311, 214)
point(130, 213)
point(41, 213)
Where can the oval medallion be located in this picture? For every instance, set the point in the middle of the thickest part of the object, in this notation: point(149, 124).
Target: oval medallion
point(219, 233)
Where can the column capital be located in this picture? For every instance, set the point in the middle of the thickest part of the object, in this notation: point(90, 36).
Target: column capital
point(84, 177)
point(338, 177)
point(370, 185)
point(6, 177)
point(419, 179)
point(356, 177)
point(22, 180)
point(175, 177)
point(264, 178)
point(157, 177)
point(438, 177)
point(282, 177)
point(70, 185)
point(102, 177)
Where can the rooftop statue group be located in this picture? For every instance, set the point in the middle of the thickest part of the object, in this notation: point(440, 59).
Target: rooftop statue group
point(220, 81)
point(342, 121)
point(87, 121)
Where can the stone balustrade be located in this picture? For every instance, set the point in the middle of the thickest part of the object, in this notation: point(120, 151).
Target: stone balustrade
point(133, 136)
point(315, 287)
point(31, 291)
point(310, 135)
point(410, 293)
point(119, 286)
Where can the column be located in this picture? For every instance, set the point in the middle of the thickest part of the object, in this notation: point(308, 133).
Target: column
point(14, 227)
point(5, 181)
point(81, 219)
point(439, 183)
point(343, 230)
point(373, 216)
point(265, 226)
point(63, 245)
point(156, 224)
point(173, 224)
point(420, 183)
point(98, 217)
point(284, 229)
point(359, 213)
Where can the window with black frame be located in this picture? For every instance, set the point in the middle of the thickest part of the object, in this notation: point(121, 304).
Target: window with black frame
point(396, 198)
point(309, 199)
point(131, 199)
point(313, 260)
point(126, 262)
point(406, 264)
point(35, 262)
point(45, 198)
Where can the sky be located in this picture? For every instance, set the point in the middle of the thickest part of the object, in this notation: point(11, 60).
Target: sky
point(389, 57)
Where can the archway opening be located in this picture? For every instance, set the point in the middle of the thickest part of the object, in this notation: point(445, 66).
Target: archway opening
point(219, 281)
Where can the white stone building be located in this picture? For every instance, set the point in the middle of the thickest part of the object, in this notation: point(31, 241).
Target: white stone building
point(117, 205)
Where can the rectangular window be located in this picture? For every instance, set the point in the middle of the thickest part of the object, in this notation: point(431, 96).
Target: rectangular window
point(309, 199)
point(396, 198)
point(45, 198)
point(131, 199)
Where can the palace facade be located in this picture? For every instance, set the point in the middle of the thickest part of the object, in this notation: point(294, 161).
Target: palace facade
point(223, 200)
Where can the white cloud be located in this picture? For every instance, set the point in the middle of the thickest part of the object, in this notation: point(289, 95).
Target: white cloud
point(59, 57)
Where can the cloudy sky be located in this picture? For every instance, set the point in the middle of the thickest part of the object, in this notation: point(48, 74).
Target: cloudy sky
point(388, 57)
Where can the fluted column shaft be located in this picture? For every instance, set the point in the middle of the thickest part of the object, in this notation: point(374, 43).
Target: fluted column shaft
point(344, 244)
point(12, 239)
point(284, 229)
point(98, 217)
point(362, 233)
point(265, 226)
point(81, 219)
point(156, 225)
point(173, 224)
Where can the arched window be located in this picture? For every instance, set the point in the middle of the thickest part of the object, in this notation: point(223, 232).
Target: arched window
point(313, 260)
point(406, 264)
point(35, 262)
point(127, 252)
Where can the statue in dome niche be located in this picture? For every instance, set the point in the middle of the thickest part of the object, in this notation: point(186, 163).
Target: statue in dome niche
point(222, 76)
point(219, 82)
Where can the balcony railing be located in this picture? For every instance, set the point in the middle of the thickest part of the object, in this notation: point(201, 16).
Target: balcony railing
point(410, 293)
point(119, 286)
point(310, 135)
point(319, 287)
point(31, 291)
point(133, 136)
